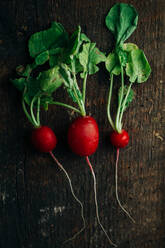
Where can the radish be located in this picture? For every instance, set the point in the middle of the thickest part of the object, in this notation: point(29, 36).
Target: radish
point(43, 139)
point(83, 136)
point(122, 21)
point(83, 139)
point(119, 140)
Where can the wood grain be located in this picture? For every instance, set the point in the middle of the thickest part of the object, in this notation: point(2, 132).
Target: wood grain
point(36, 207)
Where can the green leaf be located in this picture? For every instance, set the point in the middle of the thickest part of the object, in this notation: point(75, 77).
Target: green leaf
point(55, 51)
point(137, 67)
point(112, 64)
point(90, 57)
point(122, 21)
point(53, 61)
point(25, 71)
point(19, 83)
point(74, 42)
point(129, 98)
point(69, 82)
point(42, 58)
point(122, 55)
point(128, 47)
point(66, 75)
point(42, 41)
point(33, 89)
point(72, 50)
point(77, 66)
point(83, 38)
point(50, 80)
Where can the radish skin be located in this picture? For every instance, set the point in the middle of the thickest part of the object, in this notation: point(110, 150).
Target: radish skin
point(119, 140)
point(43, 139)
point(83, 136)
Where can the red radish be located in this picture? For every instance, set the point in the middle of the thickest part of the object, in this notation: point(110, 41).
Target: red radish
point(83, 139)
point(119, 140)
point(44, 139)
point(83, 136)
point(118, 63)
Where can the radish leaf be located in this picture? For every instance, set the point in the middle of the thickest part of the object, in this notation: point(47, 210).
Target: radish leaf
point(50, 80)
point(122, 21)
point(128, 47)
point(138, 67)
point(25, 71)
point(112, 64)
point(33, 89)
point(89, 58)
point(42, 58)
point(53, 37)
point(19, 83)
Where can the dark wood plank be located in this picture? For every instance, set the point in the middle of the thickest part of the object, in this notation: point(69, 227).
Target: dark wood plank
point(36, 206)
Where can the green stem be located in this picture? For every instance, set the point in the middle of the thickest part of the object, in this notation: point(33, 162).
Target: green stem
point(124, 103)
point(32, 114)
point(118, 124)
point(25, 109)
point(66, 106)
point(80, 103)
point(75, 88)
point(84, 87)
point(27, 114)
point(109, 102)
point(38, 110)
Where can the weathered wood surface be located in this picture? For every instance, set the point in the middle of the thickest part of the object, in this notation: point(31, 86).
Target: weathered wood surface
point(36, 206)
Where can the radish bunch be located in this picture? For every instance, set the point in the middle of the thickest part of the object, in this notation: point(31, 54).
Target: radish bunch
point(70, 59)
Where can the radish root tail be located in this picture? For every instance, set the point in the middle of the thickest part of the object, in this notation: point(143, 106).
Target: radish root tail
point(75, 197)
point(116, 182)
point(96, 203)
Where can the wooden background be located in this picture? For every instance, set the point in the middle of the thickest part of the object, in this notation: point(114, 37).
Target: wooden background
point(36, 207)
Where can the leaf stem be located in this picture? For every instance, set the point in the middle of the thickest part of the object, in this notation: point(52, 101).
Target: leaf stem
point(109, 102)
point(25, 109)
point(84, 87)
point(80, 103)
point(66, 106)
point(75, 88)
point(32, 113)
point(38, 110)
point(27, 114)
point(117, 123)
point(124, 103)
